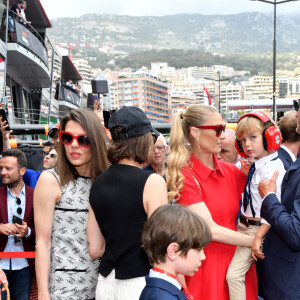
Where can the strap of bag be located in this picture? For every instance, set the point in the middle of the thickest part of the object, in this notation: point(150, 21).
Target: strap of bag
point(198, 184)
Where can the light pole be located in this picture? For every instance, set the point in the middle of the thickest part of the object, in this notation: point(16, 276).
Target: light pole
point(275, 3)
point(219, 79)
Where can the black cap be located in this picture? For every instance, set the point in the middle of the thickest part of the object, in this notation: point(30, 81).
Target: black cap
point(53, 130)
point(134, 122)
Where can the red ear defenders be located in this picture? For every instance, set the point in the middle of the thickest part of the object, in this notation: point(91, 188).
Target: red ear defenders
point(271, 135)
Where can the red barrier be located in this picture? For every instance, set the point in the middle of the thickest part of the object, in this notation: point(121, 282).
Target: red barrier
point(28, 254)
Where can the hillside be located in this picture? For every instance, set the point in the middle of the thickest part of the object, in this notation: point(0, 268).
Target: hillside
point(240, 33)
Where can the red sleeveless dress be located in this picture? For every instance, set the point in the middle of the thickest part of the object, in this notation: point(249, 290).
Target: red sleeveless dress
point(221, 191)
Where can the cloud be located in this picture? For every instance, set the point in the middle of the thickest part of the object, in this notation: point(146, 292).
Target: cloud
point(75, 8)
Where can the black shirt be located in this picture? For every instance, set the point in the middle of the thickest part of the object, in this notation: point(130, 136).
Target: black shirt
point(117, 201)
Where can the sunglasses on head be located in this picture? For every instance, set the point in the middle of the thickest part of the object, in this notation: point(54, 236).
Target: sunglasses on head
point(67, 139)
point(296, 104)
point(217, 128)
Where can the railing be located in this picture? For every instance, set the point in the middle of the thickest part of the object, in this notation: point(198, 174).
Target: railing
point(30, 39)
point(70, 95)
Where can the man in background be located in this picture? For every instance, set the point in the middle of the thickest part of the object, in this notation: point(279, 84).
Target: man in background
point(228, 152)
point(16, 223)
point(290, 146)
point(158, 162)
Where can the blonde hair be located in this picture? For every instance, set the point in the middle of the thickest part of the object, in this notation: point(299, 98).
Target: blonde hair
point(251, 124)
point(180, 144)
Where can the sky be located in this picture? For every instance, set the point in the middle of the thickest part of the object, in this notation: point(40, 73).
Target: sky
point(75, 8)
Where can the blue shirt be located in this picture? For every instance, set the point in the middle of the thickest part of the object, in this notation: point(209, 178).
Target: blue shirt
point(11, 246)
point(31, 177)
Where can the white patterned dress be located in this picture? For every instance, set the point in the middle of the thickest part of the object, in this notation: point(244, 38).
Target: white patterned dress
point(73, 274)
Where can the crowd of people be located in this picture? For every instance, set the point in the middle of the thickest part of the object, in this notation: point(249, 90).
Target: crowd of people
point(16, 13)
point(104, 225)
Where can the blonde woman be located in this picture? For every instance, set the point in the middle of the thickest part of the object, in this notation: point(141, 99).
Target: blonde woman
point(212, 189)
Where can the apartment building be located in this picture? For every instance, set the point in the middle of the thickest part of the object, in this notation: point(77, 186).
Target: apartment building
point(147, 92)
point(260, 87)
point(229, 92)
point(180, 98)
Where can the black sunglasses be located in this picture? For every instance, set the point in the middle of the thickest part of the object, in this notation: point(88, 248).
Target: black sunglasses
point(19, 209)
point(217, 128)
point(296, 104)
point(67, 139)
point(52, 155)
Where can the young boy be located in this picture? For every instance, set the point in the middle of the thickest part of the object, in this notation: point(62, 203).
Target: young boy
point(258, 138)
point(173, 239)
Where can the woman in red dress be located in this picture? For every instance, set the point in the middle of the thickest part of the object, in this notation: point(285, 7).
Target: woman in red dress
point(212, 189)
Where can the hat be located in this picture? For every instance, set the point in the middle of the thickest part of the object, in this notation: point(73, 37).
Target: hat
point(53, 130)
point(134, 122)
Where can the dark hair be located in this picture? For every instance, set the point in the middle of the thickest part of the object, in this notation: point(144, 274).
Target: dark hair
point(47, 144)
point(18, 154)
point(91, 124)
point(138, 148)
point(173, 224)
point(287, 127)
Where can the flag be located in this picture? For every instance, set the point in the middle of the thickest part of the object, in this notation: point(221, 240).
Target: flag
point(206, 97)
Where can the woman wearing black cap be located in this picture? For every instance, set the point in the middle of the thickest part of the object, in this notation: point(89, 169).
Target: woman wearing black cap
point(121, 200)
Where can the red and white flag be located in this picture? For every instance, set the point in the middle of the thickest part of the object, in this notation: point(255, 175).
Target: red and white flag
point(206, 97)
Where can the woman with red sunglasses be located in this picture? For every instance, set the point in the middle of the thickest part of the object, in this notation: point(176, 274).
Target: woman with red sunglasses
point(212, 189)
point(61, 200)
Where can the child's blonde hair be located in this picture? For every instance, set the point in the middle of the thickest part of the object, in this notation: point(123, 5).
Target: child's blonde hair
point(252, 124)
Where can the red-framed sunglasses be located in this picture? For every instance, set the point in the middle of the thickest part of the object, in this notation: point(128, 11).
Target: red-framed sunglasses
point(67, 139)
point(217, 128)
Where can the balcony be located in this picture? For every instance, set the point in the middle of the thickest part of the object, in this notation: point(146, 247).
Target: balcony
point(27, 58)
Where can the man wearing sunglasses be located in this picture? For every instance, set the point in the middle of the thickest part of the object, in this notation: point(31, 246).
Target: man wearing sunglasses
point(50, 159)
point(280, 268)
point(16, 223)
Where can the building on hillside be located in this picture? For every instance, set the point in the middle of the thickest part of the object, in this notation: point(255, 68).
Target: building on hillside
point(294, 86)
point(84, 69)
point(260, 87)
point(145, 91)
point(229, 91)
point(181, 99)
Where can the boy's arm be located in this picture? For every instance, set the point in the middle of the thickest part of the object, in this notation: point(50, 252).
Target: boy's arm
point(256, 251)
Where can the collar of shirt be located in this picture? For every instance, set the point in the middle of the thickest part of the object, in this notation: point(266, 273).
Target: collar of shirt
point(165, 277)
point(204, 172)
point(11, 201)
point(289, 152)
point(260, 162)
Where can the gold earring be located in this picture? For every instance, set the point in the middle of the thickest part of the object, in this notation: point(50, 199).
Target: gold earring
point(198, 146)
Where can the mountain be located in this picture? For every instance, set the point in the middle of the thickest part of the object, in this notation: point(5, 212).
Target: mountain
point(239, 33)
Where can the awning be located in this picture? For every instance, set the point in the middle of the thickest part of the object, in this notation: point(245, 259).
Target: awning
point(69, 71)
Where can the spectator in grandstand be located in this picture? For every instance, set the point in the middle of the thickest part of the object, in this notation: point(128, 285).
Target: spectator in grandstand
point(16, 223)
point(121, 200)
point(23, 20)
point(158, 162)
point(212, 189)
point(290, 146)
point(61, 202)
point(14, 12)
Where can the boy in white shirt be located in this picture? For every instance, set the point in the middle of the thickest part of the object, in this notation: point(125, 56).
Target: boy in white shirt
point(258, 138)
